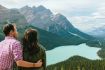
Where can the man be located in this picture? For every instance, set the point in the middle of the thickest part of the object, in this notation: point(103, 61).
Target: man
point(10, 50)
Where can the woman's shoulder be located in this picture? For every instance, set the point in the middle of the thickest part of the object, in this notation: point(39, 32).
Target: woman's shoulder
point(42, 47)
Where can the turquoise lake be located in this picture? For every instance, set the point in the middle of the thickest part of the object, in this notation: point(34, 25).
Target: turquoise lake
point(64, 52)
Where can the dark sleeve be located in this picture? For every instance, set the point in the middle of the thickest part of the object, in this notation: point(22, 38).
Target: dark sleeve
point(44, 60)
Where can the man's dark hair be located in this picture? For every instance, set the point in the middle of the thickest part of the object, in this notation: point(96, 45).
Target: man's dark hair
point(7, 28)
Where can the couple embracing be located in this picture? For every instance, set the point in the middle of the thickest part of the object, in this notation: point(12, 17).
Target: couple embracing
point(28, 55)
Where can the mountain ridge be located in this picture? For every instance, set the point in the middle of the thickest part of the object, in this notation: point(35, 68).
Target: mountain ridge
point(46, 20)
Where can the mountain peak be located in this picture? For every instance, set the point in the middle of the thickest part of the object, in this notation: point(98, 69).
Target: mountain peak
point(41, 10)
point(2, 7)
point(41, 7)
point(26, 7)
point(60, 16)
point(34, 7)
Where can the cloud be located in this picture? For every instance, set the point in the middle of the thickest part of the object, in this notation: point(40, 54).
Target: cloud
point(96, 19)
point(86, 23)
point(69, 5)
point(100, 13)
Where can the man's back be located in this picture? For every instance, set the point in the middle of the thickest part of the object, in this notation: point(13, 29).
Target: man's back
point(7, 53)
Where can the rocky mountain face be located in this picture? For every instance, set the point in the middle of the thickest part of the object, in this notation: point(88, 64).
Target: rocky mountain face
point(43, 18)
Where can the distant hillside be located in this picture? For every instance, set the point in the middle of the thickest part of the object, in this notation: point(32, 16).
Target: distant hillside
point(50, 40)
point(78, 63)
point(98, 32)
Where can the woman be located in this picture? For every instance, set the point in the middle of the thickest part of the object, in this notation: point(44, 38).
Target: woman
point(32, 50)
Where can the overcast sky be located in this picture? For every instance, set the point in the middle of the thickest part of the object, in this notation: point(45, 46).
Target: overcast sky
point(83, 14)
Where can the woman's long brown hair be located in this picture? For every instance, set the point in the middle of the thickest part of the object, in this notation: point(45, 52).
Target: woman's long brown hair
point(30, 41)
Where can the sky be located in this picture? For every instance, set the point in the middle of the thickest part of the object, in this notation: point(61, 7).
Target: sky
point(83, 14)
